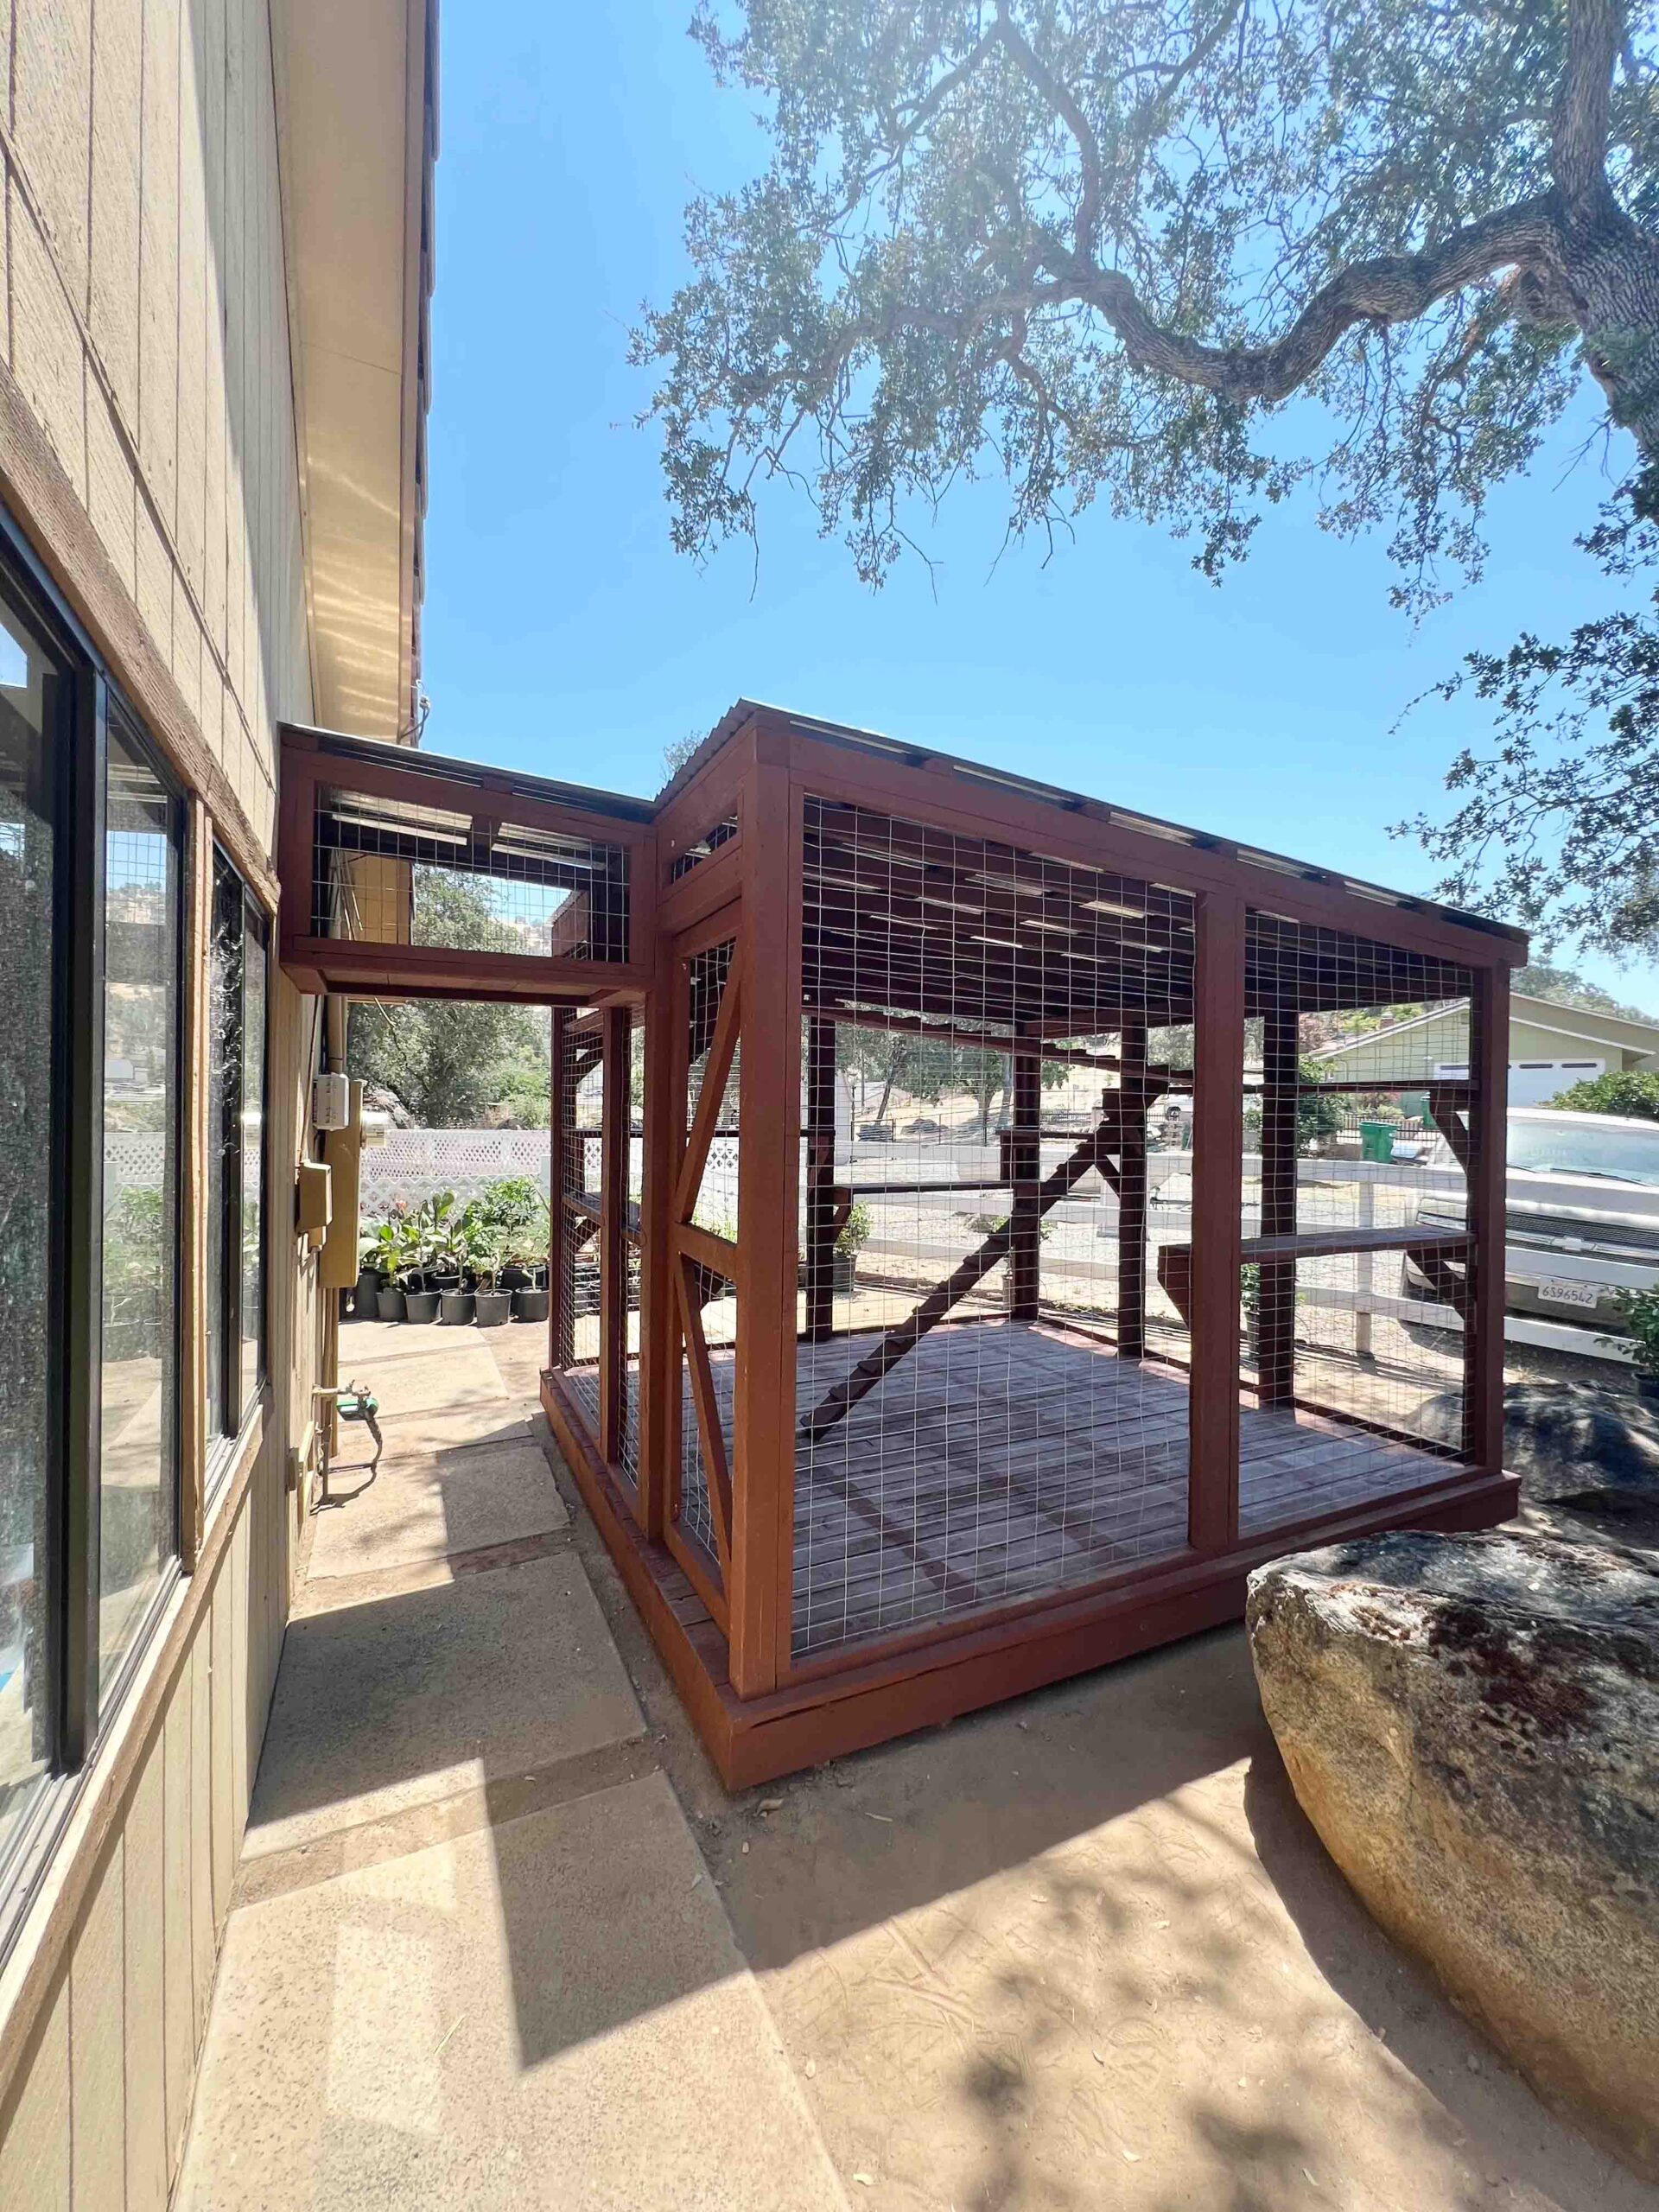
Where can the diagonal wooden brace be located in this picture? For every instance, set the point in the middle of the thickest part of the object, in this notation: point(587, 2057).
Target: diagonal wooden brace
point(838, 1403)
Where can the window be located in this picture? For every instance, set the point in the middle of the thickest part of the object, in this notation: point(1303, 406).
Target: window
point(236, 1152)
point(30, 958)
point(90, 1120)
point(138, 1397)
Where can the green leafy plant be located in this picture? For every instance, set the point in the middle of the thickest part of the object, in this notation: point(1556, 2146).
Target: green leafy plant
point(1633, 1093)
point(854, 1230)
point(1639, 1310)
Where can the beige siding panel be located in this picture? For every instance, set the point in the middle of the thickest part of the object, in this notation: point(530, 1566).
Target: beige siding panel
point(145, 1853)
point(158, 275)
point(111, 486)
point(236, 1590)
point(187, 645)
point(155, 593)
point(203, 1941)
point(225, 1834)
point(178, 1999)
point(192, 307)
point(52, 124)
point(98, 2022)
point(118, 64)
point(35, 2126)
point(48, 355)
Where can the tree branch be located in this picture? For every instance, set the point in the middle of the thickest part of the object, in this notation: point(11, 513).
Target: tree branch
point(1595, 32)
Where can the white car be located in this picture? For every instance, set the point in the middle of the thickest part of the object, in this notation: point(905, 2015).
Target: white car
point(1582, 1222)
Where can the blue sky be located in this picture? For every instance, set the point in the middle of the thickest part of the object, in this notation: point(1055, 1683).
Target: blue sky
point(563, 636)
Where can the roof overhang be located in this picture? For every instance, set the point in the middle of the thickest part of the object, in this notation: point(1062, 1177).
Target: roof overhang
point(357, 122)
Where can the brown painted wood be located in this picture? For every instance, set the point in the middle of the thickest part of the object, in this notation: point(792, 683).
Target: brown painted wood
point(1487, 1173)
point(193, 1224)
point(612, 1241)
point(562, 1110)
point(353, 964)
point(1217, 1198)
point(769, 1116)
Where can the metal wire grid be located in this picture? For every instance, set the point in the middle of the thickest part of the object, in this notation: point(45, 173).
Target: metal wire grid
point(1359, 1134)
point(976, 1020)
point(582, 1090)
point(695, 854)
point(390, 872)
point(707, 975)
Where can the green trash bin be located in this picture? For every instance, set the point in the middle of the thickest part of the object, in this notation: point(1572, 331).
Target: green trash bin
point(1376, 1141)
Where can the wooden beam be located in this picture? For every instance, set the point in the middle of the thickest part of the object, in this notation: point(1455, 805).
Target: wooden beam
point(561, 1322)
point(1217, 1195)
point(1022, 1156)
point(1487, 1174)
point(838, 1402)
point(612, 1243)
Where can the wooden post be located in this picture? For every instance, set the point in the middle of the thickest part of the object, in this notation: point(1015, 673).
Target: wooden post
point(1482, 1328)
point(659, 1372)
point(617, 1035)
point(1132, 1194)
point(1217, 1195)
point(1022, 1159)
point(1276, 1313)
point(820, 1256)
point(763, 1473)
point(561, 1323)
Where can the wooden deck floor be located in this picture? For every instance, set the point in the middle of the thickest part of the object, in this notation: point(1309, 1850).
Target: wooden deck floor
point(1000, 1460)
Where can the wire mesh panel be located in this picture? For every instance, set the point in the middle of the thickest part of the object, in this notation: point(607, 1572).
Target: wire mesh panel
point(396, 872)
point(581, 1198)
point(976, 1422)
point(699, 850)
point(1360, 1136)
point(706, 1296)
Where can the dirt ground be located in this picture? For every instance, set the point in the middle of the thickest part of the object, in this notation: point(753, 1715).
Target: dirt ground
point(1084, 1952)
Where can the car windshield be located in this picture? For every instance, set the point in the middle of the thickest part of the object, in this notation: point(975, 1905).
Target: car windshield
point(1614, 1155)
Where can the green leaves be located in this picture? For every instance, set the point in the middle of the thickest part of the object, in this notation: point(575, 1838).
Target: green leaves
point(1088, 248)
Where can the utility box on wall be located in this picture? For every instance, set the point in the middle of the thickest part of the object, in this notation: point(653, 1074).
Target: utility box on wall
point(343, 1148)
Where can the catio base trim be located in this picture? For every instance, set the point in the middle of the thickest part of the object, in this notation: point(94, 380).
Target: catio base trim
point(862, 1702)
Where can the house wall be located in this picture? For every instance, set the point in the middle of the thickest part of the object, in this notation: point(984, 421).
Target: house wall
point(1392, 1058)
point(147, 452)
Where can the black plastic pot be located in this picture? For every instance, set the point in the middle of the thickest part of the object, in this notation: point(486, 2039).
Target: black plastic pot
point(422, 1305)
point(365, 1299)
point(514, 1277)
point(390, 1305)
point(529, 1306)
point(457, 1308)
point(843, 1273)
point(492, 1307)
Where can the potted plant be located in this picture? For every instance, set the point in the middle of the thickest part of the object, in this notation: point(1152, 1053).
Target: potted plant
point(379, 1293)
point(855, 1235)
point(1639, 1310)
point(491, 1301)
point(421, 1294)
point(457, 1240)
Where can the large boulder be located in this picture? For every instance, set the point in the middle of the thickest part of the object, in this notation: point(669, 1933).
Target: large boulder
point(1563, 1437)
point(1471, 1725)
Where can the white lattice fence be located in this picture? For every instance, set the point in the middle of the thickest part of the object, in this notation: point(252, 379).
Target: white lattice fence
point(414, 1163)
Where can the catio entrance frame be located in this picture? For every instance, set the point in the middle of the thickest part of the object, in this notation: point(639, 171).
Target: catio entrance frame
point(714, 1384)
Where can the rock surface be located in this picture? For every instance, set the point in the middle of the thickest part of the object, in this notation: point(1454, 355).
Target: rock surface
point(1471, 1725)
point(1563, 1437)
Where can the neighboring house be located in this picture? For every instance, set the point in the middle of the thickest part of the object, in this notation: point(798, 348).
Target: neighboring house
point(1551, 1047)
point(217, 256)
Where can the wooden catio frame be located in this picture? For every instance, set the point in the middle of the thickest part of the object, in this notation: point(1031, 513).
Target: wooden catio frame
point(885, 1415)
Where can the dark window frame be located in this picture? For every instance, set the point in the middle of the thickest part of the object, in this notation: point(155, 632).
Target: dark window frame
point(229, 1406)
point(85, 701)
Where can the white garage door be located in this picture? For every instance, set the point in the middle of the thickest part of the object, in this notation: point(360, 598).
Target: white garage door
point(1531, 1082)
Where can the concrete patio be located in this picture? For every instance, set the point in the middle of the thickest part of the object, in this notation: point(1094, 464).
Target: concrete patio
point(499, 1938)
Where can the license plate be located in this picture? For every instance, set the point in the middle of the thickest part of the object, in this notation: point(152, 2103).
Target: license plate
point(1569, 1294)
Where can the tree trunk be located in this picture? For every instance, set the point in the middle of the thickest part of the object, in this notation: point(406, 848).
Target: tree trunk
point(1611, 272)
